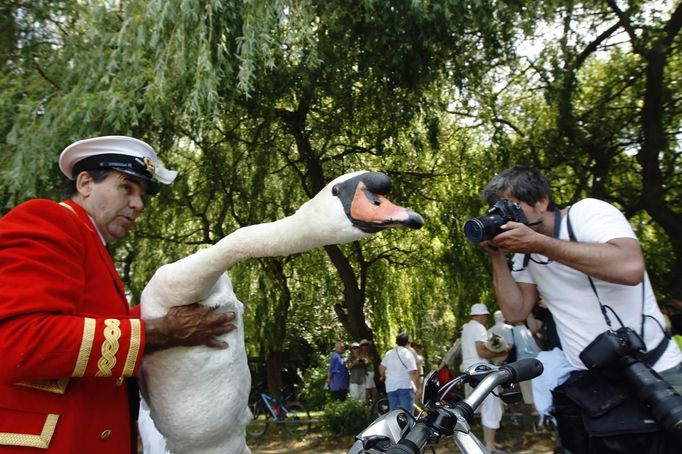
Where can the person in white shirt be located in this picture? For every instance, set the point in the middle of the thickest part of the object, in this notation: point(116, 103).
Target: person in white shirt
point(581, 261)
point(399, 370)
point(474, 351)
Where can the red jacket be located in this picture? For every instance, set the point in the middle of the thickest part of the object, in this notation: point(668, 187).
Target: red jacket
point(67, 339)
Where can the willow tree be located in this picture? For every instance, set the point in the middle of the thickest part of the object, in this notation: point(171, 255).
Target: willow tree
point(259, 104)
point(596, 106)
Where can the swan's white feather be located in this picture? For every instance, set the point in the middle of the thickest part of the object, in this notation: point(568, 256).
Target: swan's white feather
point(197, 395)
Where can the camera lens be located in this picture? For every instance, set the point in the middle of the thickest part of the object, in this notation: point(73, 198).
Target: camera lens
point(483, 227)
point(664, 401)
point(473, 230)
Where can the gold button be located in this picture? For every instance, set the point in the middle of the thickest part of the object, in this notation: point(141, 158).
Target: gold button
point(106, 434)
point(119, 381)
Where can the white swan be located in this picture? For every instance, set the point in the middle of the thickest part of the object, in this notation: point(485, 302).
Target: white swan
point(197, 395)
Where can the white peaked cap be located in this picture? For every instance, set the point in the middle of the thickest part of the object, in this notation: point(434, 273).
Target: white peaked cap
point(121, 153)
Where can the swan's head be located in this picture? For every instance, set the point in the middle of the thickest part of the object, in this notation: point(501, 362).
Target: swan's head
point(354, 206)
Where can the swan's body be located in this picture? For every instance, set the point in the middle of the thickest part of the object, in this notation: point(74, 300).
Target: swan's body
point(198, 395)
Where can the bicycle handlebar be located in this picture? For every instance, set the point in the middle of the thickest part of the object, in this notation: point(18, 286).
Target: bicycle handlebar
point(442, 420)
point(524, 369)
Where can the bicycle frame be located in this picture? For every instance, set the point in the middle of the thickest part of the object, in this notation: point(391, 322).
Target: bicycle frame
point(269, 410)
point(269, 402)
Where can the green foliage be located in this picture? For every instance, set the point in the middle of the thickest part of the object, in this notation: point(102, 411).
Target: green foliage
point(348, 417)
point(258, 104)
point(312, 390)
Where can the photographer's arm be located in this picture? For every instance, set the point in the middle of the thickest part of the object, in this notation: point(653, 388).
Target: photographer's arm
point(619, 260)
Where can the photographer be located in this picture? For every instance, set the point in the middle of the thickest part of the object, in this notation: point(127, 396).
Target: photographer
point(592, 281)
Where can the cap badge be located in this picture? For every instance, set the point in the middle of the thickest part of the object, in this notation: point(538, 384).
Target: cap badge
point(150, 165)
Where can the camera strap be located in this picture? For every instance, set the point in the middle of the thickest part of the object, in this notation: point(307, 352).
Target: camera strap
point(557, 229)
point(651, 356)
point(571, 236)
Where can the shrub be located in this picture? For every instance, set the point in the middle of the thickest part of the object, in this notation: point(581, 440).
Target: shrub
point(348, 417)
point(312, 392)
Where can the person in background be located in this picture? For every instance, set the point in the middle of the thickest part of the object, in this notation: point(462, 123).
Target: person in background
point(500, 327)
point(453, 354)
point(370, 384)
point(337, 373)
point(499, 337)
point(357, 366)
point(541, 324)
point(70, 345)
point(526, 347)
point(474, 351)
point(418, 352)
point(399, 370)
point(673, 310)
point(675, 313)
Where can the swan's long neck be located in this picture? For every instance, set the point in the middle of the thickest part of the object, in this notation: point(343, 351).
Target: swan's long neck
point(286, 236)
point(282, 237)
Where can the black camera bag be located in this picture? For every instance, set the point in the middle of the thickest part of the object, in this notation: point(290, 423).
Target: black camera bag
point(607, 405)
point(595, 415)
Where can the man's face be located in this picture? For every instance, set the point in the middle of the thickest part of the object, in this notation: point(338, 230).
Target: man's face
point(482, 319)
point(114, 203)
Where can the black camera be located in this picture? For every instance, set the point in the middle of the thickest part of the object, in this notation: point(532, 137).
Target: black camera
point(611, 346)
point(621, 350)
point(485, 227)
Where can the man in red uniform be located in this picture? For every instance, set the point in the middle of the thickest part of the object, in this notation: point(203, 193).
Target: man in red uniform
point(68, 339)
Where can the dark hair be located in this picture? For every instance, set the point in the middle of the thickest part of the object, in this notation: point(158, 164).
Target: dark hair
point(524, 183)
point(402, 339)
point(70, 189)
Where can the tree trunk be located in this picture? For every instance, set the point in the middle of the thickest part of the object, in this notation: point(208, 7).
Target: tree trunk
point(655, 141)
point(273, 370)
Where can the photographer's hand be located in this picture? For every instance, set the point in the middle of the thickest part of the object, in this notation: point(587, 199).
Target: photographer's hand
point(491, 249)
point(517, 237)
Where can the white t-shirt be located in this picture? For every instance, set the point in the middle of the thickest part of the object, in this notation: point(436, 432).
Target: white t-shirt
point(397, 372)
point(572, 301)
point(472, 331)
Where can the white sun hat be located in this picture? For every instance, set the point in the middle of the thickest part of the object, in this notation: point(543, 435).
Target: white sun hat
point(479, 309)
